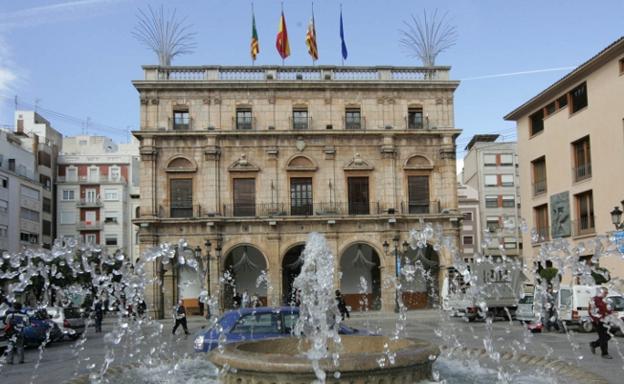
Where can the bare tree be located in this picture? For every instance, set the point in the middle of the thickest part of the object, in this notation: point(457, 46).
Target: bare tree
point(426, 37)
point(164, 33)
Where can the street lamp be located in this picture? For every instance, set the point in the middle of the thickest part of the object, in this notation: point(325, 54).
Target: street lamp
point(397, 263)
point(616, 217)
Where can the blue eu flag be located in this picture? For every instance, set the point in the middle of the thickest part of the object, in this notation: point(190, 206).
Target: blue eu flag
point(344, 45)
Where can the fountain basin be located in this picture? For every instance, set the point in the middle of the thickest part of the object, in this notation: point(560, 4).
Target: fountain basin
point(276, 361)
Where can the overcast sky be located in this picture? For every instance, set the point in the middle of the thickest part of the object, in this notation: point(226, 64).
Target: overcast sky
point(78, 57)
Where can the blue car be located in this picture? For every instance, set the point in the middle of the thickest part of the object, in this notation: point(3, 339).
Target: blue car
point(255, 324)
point(37, 332)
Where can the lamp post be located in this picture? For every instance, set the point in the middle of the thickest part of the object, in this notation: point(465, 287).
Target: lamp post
point(397, 263)
point(208, 244)
point(616, 217)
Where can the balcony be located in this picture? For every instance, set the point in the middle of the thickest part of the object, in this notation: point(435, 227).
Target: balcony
point(354, 123)
point(301, 123)
point(420, 207)
point(582, 172)
point(89, 203)
point(99, 179)
point(185, 124)
point(244, 124)
point(89, 226)
point(180, 210)
point(539, 187)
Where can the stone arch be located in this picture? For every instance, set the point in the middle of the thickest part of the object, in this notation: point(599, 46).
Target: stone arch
point(422, 290)
point(356, 241)
point(361, 262)
point(181, 163)
point(243, 264)
point(291, 268)
point(301, 163)
point(418, 162)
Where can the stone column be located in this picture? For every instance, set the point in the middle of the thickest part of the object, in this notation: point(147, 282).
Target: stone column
point(153, 292)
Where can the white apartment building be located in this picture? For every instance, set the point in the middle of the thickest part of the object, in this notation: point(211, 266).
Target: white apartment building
point(491, 168)
point(98, 192)
point(470, 233)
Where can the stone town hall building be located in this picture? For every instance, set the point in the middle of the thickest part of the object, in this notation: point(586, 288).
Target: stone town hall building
point(252, 159)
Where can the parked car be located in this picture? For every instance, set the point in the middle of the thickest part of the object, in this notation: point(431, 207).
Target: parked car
point(524, 312)
point(573, 305)
point(256, 324)
point(40, 325)
point(70, 321)
point(616, 301)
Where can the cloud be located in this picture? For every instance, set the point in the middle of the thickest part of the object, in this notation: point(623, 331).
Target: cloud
point(50, 13)
point(8, 71)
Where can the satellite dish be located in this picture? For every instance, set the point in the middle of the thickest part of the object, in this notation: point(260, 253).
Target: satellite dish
point(110, 148)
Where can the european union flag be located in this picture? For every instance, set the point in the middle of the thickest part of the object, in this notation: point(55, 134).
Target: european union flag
point(344, 45)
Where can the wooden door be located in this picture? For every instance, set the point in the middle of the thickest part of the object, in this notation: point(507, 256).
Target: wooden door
point(244, 197)
point(358, 196)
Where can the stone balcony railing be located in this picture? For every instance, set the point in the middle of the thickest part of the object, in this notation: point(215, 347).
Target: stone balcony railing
point(295, 73)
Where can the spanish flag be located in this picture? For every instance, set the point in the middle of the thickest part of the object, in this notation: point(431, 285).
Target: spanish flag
point(311, 39)
point(282, 39)
point(255, 45)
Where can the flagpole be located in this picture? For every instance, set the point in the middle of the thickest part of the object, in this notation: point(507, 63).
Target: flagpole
point(253, 60)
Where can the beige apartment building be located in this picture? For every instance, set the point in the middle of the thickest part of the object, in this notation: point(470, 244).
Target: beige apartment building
point(244, 162)
point(571, 152)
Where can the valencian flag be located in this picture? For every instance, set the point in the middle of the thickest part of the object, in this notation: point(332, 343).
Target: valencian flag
point(282, 39)
point(344, 45)
point(311, 39)
point(255, 45)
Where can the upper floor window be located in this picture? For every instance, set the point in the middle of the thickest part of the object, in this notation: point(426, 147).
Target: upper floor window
point(539, 175)
point(585, 213)
point(4, 231)
point(72, 173)
point(46, 228)
point(492, 224)
point(111, 217)
point(536, 122)
point(245, 197)
point(67, 217)
point(621, 63)
point(541, 221)
point(111, 194)
point(181, 193)
point(562, 101)
point(47, 205)
point(4, 182)
point(467, 216)
point(353, 118)
point(111, 239)
point(301, 196)
point(489, 160)
point(582, 159)
point(578, 97)
point(418, 192)
point(468, 240)
point(506, 159)
point(415, 118)
point(68, 194)
point(244, 118)
point(550, 108)
point(29, 214)
point(507, 180)
point(300, 118)
point(358, 195)
point(491, 180)
point(509, 201)
point(26, 237)
point(31, 193)
point(4, 206)
point(94, 173)
point(45, 181)
point(114, 173)
point(181, 120)
point(491, 201)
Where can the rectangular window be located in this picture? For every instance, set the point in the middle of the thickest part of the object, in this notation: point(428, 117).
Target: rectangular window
point(507, 180)
point(111, 240)
point(418, 192)
point(415, 118)
point(353, 118)
point(562, 101)
point(4, 182)
point(537, 122)
point(114, 174)
point(550, 108)
point(30, 193)
point(44, 159)
point(244, 119)
point(244, 197)
point(90, 238)
point(91, 195)
point(46, 228)
point(468, 240)
point(506, 159)
point(300, 118)
point(358, 195)
point(579, 97)
point(492, 223)
point(467, 216)
point(582, 159)
point(509, 201)
point(539, 175)
point(4, 231)
point(68, 194)
point(301, 196)
point(4, 206)
point(585, 213)
point(111, 217)
point(29, 214)
point(30, 238)
point(47, 205)
point(491, 180)
point(111, 195)
point(67, 217)
point(621, 62)
point(489, 160)
point(45, 182)
point(491, 201)
point(181, 192)
point(181, 120)
point(510, 243)
point(541, 221)
point(94, 174)
point(72, 174)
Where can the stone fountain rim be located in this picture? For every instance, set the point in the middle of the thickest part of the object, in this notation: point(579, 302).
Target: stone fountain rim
point(415, 354)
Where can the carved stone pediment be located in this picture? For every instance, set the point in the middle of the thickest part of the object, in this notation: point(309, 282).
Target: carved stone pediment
point(417, 162)
point(180, 163)
point(243, 165)
point(358, 164)
point(301, 163)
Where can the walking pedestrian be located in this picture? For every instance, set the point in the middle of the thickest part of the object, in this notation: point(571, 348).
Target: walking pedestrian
point(598, 311)
point(15, 323)
point(180, 318)
point(342, 306)
point(98, 313)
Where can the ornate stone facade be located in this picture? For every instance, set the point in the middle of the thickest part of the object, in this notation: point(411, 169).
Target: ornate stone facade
point(254, 158)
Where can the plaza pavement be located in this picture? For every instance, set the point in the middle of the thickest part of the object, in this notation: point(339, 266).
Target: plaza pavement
point(59, 362)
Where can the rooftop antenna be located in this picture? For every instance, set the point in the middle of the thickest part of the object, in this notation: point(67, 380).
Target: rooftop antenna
point(164, 33)
point(426, 37)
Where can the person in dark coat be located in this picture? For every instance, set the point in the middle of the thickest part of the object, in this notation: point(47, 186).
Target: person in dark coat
point(180, 318)
point(342, 306)
point(98, 313)
point(598, 311)
point(15, 322)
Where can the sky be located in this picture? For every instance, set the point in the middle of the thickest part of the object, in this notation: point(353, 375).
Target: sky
point(75, 60)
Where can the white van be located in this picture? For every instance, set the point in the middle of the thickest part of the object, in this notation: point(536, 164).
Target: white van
point(573, 303)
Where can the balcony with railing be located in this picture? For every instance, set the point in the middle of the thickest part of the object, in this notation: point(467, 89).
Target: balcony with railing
point(539, 187)
point(92, 179)
point(89, 203)
point(180, 210)
point(420, 207)
point(86, 225)
point(301, 123)
point(354, 122)
point(244, 123)
point(180, 124)
point(582, 171)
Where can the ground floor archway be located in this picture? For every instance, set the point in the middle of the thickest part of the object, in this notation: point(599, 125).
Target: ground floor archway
point(419, 277)
point(360, 282)
point(291, 268)
point(243, 265)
